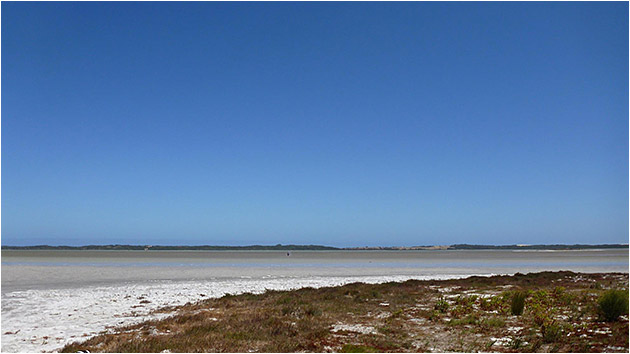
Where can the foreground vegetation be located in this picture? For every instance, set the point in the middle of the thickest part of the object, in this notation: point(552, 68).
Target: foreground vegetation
point(538, 312)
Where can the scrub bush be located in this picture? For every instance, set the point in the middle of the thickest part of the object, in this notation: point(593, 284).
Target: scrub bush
point(518, 302)
point(612, 304)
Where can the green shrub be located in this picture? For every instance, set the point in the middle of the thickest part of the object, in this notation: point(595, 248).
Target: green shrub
point(551, 332)
point(312, 311)
point(433, 316)
point(493, 303)
point(468, 320)
point(494, 322)
point(613, 303)
point(515, 343)
point(287, 310)
point(540, 314)
point(534, 345)
point(441, 305)
point(541, 297)
point(466, 300)
point(464, 306)
point(353, 348)
point(568, 299)
point(518, 302)
point(396, 314)
point(559, 290)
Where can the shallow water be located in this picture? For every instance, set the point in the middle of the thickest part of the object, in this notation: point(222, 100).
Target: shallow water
point(61, 269)
point(51, 298)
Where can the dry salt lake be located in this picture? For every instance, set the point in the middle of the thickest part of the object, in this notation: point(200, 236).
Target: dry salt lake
point(50, 298)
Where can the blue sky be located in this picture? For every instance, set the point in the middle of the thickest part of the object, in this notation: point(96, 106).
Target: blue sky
point(345, 124)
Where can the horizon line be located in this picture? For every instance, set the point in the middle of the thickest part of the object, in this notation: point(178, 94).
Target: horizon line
point(319, 245)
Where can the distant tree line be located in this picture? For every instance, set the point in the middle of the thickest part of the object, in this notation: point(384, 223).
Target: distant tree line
point(177, 248)
point(280, 247)
point(535, 247)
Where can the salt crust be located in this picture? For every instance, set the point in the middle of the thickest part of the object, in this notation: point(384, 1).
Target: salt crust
point(46, 320)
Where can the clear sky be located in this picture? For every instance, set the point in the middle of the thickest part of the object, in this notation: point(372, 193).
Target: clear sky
point(344, 124)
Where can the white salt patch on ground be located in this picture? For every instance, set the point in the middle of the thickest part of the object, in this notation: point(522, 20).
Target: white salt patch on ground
point(418, 320)
point(383, 315)
point(479, 295)
point(358, 328)
point(446, 289)
point(46, 320)
point(615, 348)
point(501, 341)
point(602, 331)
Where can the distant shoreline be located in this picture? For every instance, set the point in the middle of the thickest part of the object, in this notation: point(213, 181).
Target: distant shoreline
point(280, 247)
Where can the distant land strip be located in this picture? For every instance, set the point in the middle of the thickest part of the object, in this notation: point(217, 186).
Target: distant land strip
point(280, 247)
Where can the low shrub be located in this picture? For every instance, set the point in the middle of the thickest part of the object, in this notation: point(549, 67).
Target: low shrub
point(441, 305)
point(312, 311)
point(353, 348)
point(433, 316)
point(551, 332)
point(396, 314)
point(460, 311)
point(541, 297)
point(612, 304)
point(287, 310)
point(494, 322)
point(558, 291)
point(468, 320)
point(515, 343)
point(494, 303)
point(539, 315)
point(466, 300)
point(518, 302)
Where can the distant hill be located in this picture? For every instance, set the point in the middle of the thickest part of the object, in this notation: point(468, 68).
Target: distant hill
point(280, 247)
